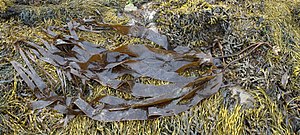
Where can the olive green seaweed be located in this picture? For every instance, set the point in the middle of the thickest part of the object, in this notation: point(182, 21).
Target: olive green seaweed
point(270, 76)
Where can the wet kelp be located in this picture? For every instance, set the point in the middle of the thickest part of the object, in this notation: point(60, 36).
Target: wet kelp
point(275, 110)
point(82, 60)
point(255, 20)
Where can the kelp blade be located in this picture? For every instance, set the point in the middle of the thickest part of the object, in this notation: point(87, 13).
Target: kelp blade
point(84, 60)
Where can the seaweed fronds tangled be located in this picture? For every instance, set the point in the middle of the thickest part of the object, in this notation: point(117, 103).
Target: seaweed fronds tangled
point(272, 80)
point(82, 60)
point(4, 4)
point(200, 22)
point(35, 12)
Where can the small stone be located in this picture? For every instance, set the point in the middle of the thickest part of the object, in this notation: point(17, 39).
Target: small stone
point(276, 50)
point(285, 79)
point(244, 97)
point(130, 7)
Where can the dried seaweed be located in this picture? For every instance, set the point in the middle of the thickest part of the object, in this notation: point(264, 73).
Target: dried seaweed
point(83, 60)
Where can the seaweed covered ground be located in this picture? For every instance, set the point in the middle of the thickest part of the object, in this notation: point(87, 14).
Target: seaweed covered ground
point(260, 92)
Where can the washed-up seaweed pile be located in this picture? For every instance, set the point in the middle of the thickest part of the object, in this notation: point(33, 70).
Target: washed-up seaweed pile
point(81, 60)
point(260, 92)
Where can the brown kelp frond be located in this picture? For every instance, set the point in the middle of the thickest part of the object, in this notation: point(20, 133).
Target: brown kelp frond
point(82, 60)
point(267, 101)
